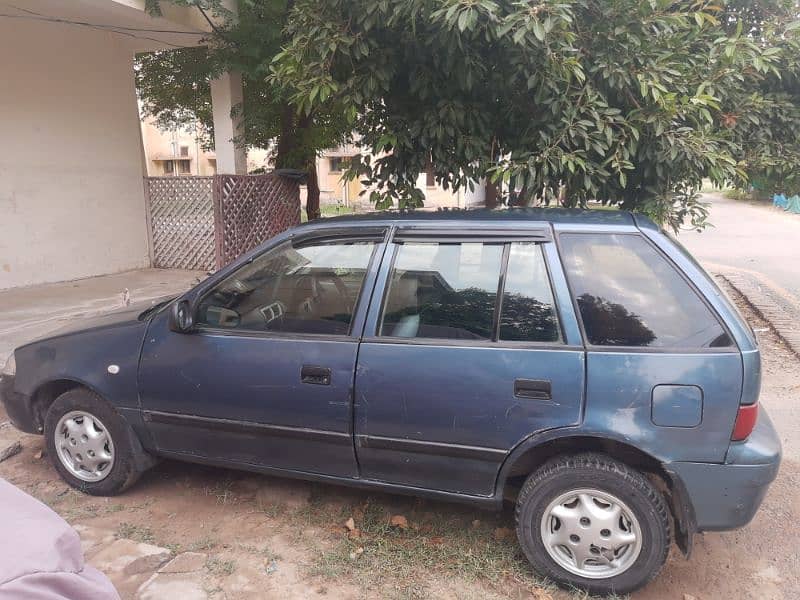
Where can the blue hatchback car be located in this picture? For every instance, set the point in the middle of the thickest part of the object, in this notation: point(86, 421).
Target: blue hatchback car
point(578, 363)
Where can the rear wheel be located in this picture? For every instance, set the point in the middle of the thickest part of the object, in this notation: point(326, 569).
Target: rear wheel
point(593, 523)
point(91, 446)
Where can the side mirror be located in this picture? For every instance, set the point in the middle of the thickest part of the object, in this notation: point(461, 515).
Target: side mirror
point(181, 318)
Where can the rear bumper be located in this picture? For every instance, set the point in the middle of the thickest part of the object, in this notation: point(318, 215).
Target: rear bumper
point(727, 496)
point(18, 406)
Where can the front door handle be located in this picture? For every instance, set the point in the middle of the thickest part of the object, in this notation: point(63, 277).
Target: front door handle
point(315, 375)
point(534, 389)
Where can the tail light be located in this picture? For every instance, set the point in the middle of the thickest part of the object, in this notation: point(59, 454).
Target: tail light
point(745, 422)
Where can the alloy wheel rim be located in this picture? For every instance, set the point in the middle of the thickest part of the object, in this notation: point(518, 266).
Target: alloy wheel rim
point(84, 446)
point(591, 533)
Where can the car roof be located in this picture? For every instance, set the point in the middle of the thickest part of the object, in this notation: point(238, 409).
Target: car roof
point(520, 215)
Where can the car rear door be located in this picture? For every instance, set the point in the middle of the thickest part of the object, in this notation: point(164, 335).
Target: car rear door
point(266, 377)
point(470, 346)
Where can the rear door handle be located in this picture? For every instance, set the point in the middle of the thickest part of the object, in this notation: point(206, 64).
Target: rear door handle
point(534, 389)
point(315, 375)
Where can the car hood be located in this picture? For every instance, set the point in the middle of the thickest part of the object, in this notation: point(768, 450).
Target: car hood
point(126, 315)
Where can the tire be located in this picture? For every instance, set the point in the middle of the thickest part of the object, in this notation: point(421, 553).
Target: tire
point(585, 492)
point(110, 477)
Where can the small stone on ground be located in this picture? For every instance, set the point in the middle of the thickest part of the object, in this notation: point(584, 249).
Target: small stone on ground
point(129, 557)
point(172, 585)
point(188, 562)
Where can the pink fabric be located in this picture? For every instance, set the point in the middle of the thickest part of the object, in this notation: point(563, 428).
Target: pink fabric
point(41, 556)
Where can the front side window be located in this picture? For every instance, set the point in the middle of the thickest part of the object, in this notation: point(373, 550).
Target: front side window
point(306, 289)
point(442, 291)
point(628, 294)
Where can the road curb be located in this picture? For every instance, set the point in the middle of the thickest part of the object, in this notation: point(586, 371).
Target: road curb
point(781, 313)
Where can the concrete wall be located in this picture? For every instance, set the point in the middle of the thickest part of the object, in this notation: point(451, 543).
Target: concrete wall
point(71, 192)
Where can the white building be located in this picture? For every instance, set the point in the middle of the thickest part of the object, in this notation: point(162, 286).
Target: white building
point(72, 200)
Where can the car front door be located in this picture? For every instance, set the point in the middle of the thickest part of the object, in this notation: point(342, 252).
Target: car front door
point(474, 347)
point(266, 376)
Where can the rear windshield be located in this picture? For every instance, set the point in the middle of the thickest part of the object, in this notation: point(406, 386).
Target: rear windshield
point(628, 294)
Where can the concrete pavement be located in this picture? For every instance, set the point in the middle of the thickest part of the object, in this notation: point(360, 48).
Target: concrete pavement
point(755, 248)
point(30, 312)
point(755, 238)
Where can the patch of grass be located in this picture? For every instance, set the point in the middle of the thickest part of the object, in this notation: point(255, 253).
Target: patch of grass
point(80, 512)
point(412, 591)
point(223, 492)
point(204, 543)
point(269, 555)
point(221, 567)
point(175, 547)
point(272, 510)
point(732, 194)
point(443, 541)
point(329, 210)
point(137, 533)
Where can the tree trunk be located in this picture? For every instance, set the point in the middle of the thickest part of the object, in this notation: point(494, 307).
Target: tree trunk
point(492, 196)
point(312, 192)
point(286, 140)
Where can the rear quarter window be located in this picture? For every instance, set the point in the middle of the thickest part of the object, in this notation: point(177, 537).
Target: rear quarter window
point(629, 294)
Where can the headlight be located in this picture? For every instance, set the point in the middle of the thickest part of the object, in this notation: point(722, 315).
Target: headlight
point(10, 367)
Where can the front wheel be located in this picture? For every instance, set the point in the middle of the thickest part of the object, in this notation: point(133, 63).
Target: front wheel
point(91, 446)
point(591, 522)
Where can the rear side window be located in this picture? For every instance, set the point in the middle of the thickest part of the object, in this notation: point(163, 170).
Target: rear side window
point(450, 291)
point(528, 311)
point(628, 294)
point(443, 291)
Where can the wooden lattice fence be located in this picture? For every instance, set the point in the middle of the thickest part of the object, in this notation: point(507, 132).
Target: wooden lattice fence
point(249, 209)
point(181, 222)
point(206, 222)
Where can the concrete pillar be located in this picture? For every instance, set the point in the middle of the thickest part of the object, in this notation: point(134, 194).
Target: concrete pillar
point(226, 94)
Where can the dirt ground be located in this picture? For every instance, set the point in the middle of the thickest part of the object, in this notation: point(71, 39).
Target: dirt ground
point(274, 538)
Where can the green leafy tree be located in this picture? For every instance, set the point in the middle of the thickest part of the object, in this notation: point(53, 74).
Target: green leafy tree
point(630, 102)
point(175, 88)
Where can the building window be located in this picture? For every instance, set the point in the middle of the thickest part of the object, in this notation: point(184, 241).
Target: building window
point(339, 163)
point(184, 166)
point(169, 167)
point(184, 150)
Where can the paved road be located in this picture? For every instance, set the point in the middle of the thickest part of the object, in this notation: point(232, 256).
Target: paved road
point(753, 237)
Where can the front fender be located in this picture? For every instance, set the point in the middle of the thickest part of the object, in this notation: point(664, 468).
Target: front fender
point(104, 359)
